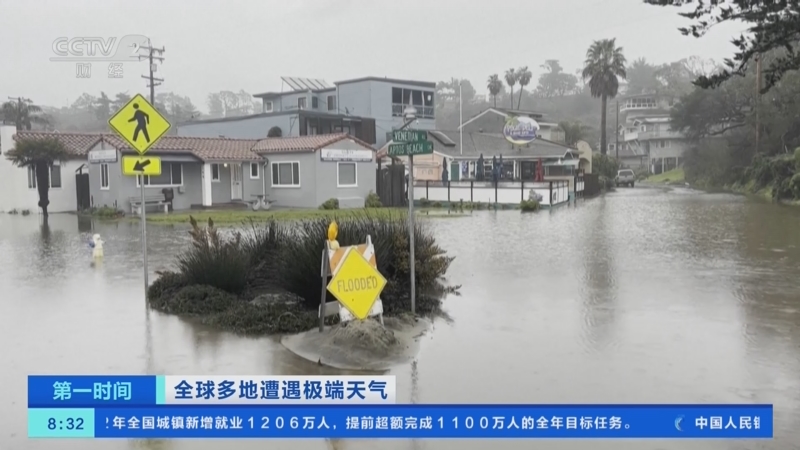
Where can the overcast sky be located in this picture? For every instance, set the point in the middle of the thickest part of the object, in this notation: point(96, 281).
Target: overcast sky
point(214, 45)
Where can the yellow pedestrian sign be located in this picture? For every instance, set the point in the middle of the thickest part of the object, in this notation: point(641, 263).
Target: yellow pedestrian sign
point(356, 284)
point(139, 123)
point(141, 165)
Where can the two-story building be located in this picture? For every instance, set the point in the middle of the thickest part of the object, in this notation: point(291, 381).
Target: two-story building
point(645, 136)
point(367, 108)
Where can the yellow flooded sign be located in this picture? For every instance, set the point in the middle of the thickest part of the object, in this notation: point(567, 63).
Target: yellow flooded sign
point(139, 124)
point(356, 284)
point(141, 165)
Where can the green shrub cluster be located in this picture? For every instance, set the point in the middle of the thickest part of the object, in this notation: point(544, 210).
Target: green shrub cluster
point(218, 274)
point(373, 201)
point(605, 165)
point(105, 212)
point(530, 205)
point(331, 203)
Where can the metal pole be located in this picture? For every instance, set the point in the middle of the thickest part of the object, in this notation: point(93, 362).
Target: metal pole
point(412, 269)
point(616, 146)
point(460, 121)
point(144, 236)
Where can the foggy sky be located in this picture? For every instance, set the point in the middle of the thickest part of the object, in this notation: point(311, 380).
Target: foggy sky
point(214, 45)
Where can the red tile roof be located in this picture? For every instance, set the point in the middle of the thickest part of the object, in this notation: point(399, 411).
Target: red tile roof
point(206, 149)
point(75, 143)
point(303, 143)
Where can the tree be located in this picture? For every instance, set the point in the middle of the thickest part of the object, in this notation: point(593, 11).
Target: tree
point(120, 100)
point(573, 131)
point(23, 113)
point(177, 108)
point(524, 78)
point(102, 108)
point(39, 154)
point(604, 66)
point(511, 80)
point(555, 82)
point(773, 24)
point(495, 87)
point(216, 108)
point(642, 78)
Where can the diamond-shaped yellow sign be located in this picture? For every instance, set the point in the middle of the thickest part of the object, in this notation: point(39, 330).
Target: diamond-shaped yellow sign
point(139, 123)
point(357, 284)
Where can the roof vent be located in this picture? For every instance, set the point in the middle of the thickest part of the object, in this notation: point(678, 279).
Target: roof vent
point(441, 137)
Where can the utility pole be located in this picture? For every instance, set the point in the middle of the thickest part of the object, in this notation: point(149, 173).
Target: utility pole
point(152, 83)
point(616, 146)
point(758, 101)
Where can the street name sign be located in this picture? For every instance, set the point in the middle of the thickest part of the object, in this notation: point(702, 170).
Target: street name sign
point(139, 124)
point(357, 284)
point(411, 148)
point(141, 165)
point(403, 136)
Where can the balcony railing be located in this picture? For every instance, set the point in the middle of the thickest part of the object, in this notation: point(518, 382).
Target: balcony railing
point(423, 112)
point(660, 134)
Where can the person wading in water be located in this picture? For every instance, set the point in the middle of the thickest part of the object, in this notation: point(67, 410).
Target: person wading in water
point(142, 121)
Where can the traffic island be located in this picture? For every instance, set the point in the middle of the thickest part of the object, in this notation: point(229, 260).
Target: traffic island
point(266, 280)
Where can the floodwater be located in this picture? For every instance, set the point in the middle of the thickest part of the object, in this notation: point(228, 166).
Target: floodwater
point(643, 295)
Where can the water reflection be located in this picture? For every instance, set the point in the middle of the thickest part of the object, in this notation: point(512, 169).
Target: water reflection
point(599, 294)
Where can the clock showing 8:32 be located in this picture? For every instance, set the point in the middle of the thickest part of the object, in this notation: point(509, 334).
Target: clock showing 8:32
point(60, 422)
point(70, 423)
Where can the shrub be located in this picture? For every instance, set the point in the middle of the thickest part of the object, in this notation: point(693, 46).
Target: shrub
point(215, 261)
point(26, 212)
point(529, 205)
point(437, 204)
point(373, 201)
point(605, 165)
point(14, 211)
point(195, 300)
point(331, 203)
point(606, 183)
point(167, 284)
point(300, 262)
point(106, 212)
point(424, 202)
point(249, 319)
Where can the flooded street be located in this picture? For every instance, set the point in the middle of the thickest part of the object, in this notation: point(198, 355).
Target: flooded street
point(640, 296)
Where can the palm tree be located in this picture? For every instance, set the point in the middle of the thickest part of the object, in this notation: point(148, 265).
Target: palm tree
point(573, 131)
point(495, 87)
point(604, 66)
point(22, 113)
point(524, 78)
point(511, 80)
point(39, 154)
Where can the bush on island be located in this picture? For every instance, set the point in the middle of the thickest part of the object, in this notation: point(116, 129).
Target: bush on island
point(217, 276)
point(331, 203)
point(373, 201)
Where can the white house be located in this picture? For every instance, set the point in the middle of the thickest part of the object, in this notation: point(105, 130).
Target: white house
point(18, 185)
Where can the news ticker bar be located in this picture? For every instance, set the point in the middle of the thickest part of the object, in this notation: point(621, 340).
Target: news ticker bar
point(407, 421)
point(92, 391)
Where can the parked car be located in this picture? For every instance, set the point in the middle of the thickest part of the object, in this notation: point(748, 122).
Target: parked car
point(626, 177)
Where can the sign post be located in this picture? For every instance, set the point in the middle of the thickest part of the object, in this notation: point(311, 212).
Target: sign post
point(141, 126)
point(410, 143)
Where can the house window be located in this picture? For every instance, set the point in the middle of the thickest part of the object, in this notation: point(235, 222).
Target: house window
point(331, 103)
point(286, 174)
point(314, 102)
point(31, 177)
point(663, 143)
point(346, 176)
point(55, 176)
point(104, 181)
point(171, 175)
point(254, 171)
point(215, 172)
point(421, 100)
point(301, 103)
point(267, 106)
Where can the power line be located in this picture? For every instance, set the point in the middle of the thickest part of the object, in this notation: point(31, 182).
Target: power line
point(152, 80)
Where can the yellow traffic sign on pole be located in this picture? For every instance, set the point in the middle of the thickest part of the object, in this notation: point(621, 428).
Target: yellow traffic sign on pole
point(141, 165)
point(356, 284)
point(139, 124)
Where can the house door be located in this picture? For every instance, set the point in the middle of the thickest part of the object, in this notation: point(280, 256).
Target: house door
point(236, 181)
point(82, 191)
point(455, 171)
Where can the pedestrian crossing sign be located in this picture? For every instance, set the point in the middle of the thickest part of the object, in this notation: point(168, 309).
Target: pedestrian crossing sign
point(139, 124)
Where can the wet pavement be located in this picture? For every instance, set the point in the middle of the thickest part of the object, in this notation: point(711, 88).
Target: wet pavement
point(639, 296)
